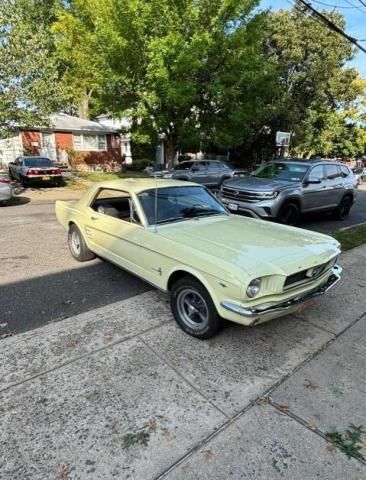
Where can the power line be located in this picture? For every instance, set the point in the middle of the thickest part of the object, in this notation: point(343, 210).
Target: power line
point(355, 6)
point(334, 6)
point(332, 26)
point(362, 3)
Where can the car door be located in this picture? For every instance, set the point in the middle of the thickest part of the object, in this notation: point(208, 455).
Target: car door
point(199, 173)
point(114, 232)
point(315, 194)
point(333, 184)
point(214, 173)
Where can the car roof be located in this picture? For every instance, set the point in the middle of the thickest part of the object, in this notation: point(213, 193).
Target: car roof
point(137, 185)
point(203, 160)
point(307, 161)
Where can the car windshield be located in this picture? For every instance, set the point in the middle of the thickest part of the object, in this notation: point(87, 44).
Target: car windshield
point(290, 172)
point(184, 166)
point(38, 162)
point(179, 203)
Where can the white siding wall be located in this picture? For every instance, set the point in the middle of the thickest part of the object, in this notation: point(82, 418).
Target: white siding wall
point(10, 148)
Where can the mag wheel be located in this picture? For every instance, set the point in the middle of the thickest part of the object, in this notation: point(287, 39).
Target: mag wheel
point(193, 308)
point(77, 245)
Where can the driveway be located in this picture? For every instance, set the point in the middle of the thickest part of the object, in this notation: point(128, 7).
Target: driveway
point(121, 392)
point(41, 283)
point(39, 280)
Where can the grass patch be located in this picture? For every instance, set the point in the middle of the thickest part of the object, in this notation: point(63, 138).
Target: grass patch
point(350, 442)
point(351, 237)
point(74, 185)
point(105, 176)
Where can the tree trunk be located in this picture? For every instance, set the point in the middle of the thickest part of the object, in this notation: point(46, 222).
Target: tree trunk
point(170, 150)
point(84, 107)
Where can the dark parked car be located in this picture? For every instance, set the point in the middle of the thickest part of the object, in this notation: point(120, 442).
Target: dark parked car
point(31, 170)
point(210, 173)
point(283, 189)
point(360, 174)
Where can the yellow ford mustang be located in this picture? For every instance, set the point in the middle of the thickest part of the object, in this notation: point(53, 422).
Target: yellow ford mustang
point(215, 265)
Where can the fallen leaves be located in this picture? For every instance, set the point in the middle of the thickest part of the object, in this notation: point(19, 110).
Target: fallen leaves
point(64, 473)
point(208, 454)
point(311, 385)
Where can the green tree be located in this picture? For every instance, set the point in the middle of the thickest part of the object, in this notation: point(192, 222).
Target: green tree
point(81, 52)
point(189, 69)
point(29, 90)
point(316, 93)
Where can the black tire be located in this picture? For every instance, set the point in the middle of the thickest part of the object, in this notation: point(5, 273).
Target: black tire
point(81, 253)
point(189, 295)
point(343, 209)
point(289, 214)
point(24, 182)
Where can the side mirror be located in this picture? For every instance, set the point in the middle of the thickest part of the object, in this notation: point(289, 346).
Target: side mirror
point(313, 180)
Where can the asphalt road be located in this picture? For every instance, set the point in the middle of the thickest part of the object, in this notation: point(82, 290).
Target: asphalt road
point(41, 283)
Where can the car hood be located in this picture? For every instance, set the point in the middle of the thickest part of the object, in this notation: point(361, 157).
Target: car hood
point(259, 247)
point(258, 184)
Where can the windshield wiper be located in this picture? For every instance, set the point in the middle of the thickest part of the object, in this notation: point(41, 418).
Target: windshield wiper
point(199, 212)
point(167, 220)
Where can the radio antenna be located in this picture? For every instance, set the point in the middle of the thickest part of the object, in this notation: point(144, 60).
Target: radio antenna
point(156, 205)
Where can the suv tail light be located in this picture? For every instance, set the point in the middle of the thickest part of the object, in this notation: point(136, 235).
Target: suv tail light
point(56, 172)
point(32, 171)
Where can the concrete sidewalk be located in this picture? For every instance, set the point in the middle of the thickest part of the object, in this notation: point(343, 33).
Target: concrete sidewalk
point(121, 392)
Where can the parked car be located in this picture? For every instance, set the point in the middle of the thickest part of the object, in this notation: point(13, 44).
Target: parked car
point(181, 239)
point(6, 188)
point(31, 170)
point(360, 174)
point(284, 189)
point(210, 173)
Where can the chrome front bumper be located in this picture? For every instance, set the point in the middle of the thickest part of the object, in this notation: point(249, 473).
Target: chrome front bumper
point(285, 307)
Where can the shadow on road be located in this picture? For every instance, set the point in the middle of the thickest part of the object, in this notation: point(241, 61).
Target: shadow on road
point(16, 201)
point(31, 303)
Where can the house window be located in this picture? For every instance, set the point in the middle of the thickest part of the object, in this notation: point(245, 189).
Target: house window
point(90, 142)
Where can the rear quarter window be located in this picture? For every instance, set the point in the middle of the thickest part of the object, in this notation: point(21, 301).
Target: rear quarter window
point(345, 171)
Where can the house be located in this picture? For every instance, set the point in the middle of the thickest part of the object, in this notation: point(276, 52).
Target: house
point(83, 143)
point(121, 125)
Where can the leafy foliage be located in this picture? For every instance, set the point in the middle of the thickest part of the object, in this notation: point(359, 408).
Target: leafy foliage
point(191, 70)
point(317, 97)
point(29, 90)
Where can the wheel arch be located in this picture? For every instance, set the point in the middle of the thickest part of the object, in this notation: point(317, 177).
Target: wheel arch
point(187, 271)
point(296, 199)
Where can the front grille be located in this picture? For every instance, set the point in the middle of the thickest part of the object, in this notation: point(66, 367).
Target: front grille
point(242, 195)
point(303, 276)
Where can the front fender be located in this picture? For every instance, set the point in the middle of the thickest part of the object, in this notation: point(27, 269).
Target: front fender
point(216, 287)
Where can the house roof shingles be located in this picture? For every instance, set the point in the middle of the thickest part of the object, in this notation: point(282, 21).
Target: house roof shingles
point(67, 123)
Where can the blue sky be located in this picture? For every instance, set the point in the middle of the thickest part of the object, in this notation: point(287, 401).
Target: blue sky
point(354, 13)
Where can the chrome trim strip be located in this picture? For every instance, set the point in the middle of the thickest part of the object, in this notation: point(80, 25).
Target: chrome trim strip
point(287, 305)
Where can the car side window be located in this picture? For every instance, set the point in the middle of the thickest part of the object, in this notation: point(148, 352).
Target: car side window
point(203, 165)
point(117, 204)
point(332, 172)
point(317, 172)
point(344, 171)
point(214, 166)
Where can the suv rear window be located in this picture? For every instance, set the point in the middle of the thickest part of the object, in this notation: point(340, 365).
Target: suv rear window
point(344, 170)
point(332, 172)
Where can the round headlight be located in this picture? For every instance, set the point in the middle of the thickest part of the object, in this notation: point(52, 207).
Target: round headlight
point(254, 287)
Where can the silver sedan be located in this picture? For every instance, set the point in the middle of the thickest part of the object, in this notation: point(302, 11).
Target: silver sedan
point(6, 188)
